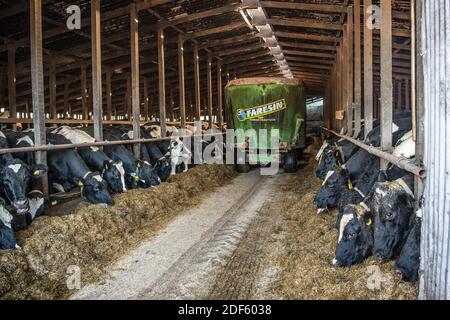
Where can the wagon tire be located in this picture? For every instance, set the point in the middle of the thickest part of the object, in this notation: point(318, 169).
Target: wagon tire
point(242, 168)
point(290, 162)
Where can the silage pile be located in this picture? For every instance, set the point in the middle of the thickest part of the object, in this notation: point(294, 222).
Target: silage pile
point(309, 245)
point(97, 235)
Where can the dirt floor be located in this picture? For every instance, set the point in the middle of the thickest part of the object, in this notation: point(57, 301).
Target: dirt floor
point(257, 238)
point(287, 252)
point(54, 248)
point(209, 236)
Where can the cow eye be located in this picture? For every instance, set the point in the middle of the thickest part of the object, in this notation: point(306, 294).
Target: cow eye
point(389, 215)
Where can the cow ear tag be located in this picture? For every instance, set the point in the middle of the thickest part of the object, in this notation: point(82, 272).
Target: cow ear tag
point(139, 164)
point(369, 222)
point(54, 203)
point(136, 178)
point(36, 173)
point(80, 184)
point(350, 185)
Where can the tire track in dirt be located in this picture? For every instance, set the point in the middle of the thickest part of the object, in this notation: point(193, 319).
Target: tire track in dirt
point(192, 276)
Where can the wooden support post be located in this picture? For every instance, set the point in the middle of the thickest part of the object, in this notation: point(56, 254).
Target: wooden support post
point(135, 93)
point(219, 95)
point(66, 110)
point(182, 85)
point(84, 102)
point(386, 78)
point(146, 101)
point(191, 107)
point(3, 86)
point(197, 83)
point(399, 94)
point(97, 89)
point(368, 70)
point(349, 58)
point(127, 98)
point(109, 95)
point(52, 88)
point(12, 82)
point(172, 105)
point(343, 76)
point(37, 84)
point(162, 82)
point(209, 85)
point(358, 88)
point(407, 95)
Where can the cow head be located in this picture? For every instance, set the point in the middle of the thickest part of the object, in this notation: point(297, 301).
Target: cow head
point(330, 159)
point(94, 189)
point(334, 184)
point(393, 207)
point(7, 237)
point(355, 236)
point(162, 168)
point(15, 182)
point(147, 176)
point(114, 175)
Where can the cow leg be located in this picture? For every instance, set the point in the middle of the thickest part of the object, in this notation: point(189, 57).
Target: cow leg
point(174, 167)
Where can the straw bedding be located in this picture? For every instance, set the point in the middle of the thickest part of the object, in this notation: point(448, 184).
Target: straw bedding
point(96, 235)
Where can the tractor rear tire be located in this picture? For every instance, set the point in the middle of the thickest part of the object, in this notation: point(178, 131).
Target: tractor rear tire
point(290, 162)
point(242, 168)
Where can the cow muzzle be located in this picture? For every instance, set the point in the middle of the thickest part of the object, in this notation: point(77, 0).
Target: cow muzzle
point(22, 206)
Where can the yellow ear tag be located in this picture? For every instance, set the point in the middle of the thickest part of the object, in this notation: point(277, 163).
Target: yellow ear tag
point(139, 165)
point(36, 173)
point(54, 203)
point(136, 178)
point(369, 222)
point(80, 184)
point(350, 185)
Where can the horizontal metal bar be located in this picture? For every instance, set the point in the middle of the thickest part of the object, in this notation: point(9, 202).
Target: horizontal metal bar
point(51, 147)
point(402, 163)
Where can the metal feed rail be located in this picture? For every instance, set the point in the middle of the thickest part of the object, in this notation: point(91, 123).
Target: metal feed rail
point(402, 163)
point(50, 147)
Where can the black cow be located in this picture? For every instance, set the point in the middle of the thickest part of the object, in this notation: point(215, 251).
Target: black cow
point(112, 171)
point(409, 261)
point(355, 240)
point(7, 237)
point(338, 190)
point(392, 204)
point(68, 170)
point(138, 173)
point(16, 179)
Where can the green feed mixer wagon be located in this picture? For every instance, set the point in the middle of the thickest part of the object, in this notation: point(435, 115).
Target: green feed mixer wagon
point(267, 103)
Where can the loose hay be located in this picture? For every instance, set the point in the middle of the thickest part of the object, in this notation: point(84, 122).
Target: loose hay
point(309, 248)
point(97, 235)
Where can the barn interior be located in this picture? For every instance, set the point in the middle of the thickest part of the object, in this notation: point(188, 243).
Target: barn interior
point(232, 39)
point(167, 62)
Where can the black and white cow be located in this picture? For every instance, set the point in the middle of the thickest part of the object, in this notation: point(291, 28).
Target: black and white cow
point(111, 171)
point(329, 159)
point(68, 170)
point(139, 171)
point(355, 240)
point(36, 201)
point(7, 237)
point(179, 155)
point(392, 204)
point(409, 261)
point(16, 179)
point(160, 162)
point(338, 190)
